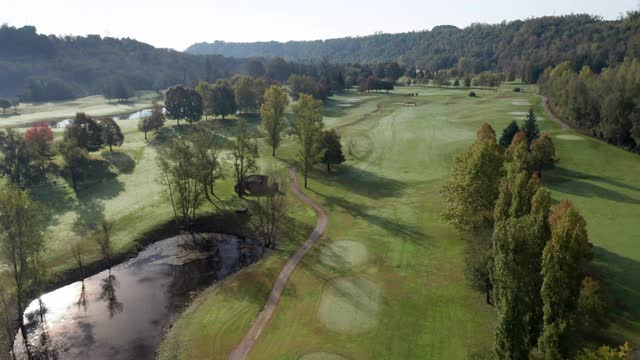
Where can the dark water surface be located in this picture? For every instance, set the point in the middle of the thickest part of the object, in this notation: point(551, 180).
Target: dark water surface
point(122, 313)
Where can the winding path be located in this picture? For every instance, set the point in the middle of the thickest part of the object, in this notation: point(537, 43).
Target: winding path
point(552, 115)
point(245, 346)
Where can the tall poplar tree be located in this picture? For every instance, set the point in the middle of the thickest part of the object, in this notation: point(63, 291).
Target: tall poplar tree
point(308, 126)
point(272, 112)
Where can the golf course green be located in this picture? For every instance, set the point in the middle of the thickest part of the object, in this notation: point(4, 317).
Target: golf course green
point(387, 278)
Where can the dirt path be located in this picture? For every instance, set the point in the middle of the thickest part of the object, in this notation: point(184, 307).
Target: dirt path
point(245, 346)
point(552, 116)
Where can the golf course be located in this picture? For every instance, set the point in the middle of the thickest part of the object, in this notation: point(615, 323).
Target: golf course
point(386, 280)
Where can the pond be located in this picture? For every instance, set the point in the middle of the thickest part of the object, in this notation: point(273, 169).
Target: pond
point(131, 116)
point(123, 312)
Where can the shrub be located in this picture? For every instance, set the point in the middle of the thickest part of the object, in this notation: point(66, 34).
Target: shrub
point(517, 89)
point(472, 94)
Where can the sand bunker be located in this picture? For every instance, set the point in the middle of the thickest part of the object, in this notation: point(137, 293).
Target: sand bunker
point(570, 137)
point(350, 305)
point(520, 103)
point(321, 356)
point(344, 254)
point(518, 113)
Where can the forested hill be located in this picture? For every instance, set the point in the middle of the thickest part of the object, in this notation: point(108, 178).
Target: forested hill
point(40, 67)
point(531, 44)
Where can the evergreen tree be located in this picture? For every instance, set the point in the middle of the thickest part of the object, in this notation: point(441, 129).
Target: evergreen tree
point(508, 133)
point(530, 127)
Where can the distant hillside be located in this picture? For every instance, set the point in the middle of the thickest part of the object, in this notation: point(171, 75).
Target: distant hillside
point(529, 45)
point(40, 67)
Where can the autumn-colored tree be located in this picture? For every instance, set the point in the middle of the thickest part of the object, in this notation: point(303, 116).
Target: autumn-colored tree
point(486, 132)
point(272, 112)
point(543, 153)
point(563, 265)
point(517, 155)
point(39, 139)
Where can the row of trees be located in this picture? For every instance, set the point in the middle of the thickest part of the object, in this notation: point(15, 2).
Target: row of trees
point(606, 104)
point(531, 258)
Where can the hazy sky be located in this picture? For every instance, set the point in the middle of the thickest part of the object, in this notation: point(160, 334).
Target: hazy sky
point(178, 24)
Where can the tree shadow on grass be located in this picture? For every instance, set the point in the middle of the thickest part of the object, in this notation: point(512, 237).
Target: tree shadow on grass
point(363, 182)
point(621, 278)
point(121, 161)
point(570, 182)
point(564, 172)
point(393, 227)
point(54, 195)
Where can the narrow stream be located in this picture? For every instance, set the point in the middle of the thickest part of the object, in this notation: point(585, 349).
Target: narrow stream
point(122, 313)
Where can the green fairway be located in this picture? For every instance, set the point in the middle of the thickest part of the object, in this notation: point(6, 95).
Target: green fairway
point(604, 183)
point(409, 298)
point(95, 105)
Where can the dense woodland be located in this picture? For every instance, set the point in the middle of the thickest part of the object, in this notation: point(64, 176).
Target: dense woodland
point(520, 48)
point(606, 105)
point(39, 67)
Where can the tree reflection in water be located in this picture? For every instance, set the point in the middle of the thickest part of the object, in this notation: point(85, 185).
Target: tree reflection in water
point(82, 299)
point(108, 287)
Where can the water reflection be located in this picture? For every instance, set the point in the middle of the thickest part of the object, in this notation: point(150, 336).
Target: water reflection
point(108, 287)
point(61, 124)
point(121, 313)
point(82, 299)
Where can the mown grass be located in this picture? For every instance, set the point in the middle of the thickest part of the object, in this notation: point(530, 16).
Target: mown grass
point(604, 183)
point(387, 198)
